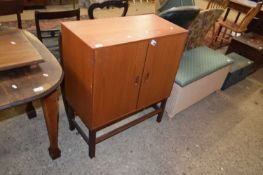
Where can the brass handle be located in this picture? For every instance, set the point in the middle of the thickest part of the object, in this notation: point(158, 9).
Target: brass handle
point(147, 76)
point(137, 79)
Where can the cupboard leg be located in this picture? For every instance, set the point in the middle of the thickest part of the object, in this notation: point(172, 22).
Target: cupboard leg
point(50, 108)
point(92, 143)
point(160, 115)
point(30, 110)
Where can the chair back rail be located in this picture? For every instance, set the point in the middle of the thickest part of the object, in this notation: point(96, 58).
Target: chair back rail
point(249, 16)
point(212, 4)
point(49, 15)
point(110, 3)
point(9, 7)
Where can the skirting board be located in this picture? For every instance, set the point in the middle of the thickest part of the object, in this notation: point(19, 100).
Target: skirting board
point(183, 97)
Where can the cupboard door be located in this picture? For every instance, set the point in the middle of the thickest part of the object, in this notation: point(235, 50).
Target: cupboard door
point(161, 65)
point(117, 78)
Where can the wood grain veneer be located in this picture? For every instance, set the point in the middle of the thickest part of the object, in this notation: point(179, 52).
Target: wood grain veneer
point(16, 50)
point(113, 69)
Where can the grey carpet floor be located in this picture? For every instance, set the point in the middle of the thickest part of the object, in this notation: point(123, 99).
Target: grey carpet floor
point(221, 134)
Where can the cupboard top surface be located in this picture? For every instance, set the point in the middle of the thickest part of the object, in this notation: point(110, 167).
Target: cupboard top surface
point(119, 30)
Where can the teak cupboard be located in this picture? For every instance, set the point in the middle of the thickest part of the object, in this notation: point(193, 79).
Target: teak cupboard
point(116, 67)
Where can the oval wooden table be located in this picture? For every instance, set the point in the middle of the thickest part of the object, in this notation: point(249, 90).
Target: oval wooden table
point(41, 81)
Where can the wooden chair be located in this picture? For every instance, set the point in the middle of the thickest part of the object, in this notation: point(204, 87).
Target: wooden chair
point(213, 4)
point(216, 4)
point(134, 1)
point(48, 34)
point(110, 3)
point(228, 28)
point(49, 15)
point(9, 7)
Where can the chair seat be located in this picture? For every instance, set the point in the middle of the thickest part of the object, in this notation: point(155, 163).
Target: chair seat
point(55, 29)
point(199, 62)
point(232, 26)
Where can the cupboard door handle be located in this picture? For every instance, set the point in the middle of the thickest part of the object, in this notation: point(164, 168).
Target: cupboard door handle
point(153, 42)
point(147, 77)
point(136, 82)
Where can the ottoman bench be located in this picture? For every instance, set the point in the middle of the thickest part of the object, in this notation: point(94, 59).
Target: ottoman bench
point(202, 71)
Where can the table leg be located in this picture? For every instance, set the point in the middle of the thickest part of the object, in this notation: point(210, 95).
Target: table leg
point(50, 108)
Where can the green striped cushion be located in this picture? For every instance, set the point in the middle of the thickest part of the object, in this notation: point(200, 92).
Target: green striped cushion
point(199, 62)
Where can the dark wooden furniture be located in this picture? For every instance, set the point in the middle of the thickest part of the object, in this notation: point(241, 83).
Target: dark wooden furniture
point(48, 15)
point(242, 6)
point(256, 25)
point(107, 4)
point(249, 45)
point(116, 67)
point(73, 2)
point(16, 51)
point(9, 7)
point(21, 86)
point(34, 4)
point(237, 27)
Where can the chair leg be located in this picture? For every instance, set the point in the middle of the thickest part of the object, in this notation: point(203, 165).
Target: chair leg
point(223, 36)
point(30, 110)
point(213, 35)
point(216, 35)
point(74, 4)
point(70, 115)
point(68, 109)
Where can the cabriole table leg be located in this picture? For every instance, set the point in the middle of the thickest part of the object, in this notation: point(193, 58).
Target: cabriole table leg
point(50, 108)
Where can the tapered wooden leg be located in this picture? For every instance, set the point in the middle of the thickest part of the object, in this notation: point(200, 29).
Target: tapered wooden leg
point(160, 115)
point(92, 143)
point(30, 110)
point(50, 108)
